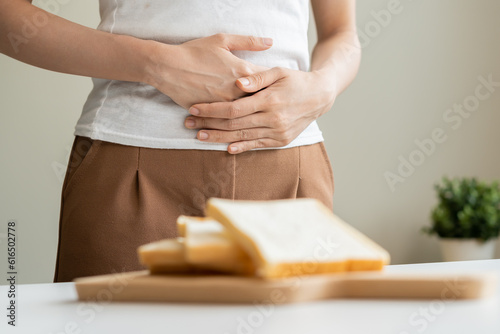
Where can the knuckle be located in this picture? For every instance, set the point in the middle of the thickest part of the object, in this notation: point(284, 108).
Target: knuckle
point(245, 70)
point(221, 38)
point(284, 136)
point(259, 143)
point(280, 70)
point(252, 42)
point(233, 124)
point(280, 122)
point(285, 141)
point(274, 100)
point(216, 135)
point(287, 137)
point(227, 96)
point(258, 79)
point(276, 122)
point(233, 111)
point(243, 134)
point(202, 122)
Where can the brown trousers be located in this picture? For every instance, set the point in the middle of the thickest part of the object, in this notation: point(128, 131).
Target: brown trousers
point(118, 197)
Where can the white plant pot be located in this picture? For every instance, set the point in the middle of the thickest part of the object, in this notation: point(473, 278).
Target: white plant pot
point(467, 249)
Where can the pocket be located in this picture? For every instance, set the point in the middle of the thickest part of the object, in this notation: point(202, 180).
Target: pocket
point(82, 154)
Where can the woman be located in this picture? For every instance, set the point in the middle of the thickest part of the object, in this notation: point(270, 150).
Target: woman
point(192, 99)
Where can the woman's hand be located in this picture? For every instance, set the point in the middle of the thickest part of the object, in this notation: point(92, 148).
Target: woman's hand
point(204, 70)
point(286, 102)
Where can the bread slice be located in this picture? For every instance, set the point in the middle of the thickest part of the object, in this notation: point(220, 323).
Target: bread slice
point(205, 247)
point(209, 246)
point(182, 220)
point(164, 256)
point(296, 237)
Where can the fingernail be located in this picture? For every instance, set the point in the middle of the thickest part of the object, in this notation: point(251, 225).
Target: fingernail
point(190, 123)
point(194, 111)
point(267, 41)
point(234, 149)
point(244, 81)
point(203, 135)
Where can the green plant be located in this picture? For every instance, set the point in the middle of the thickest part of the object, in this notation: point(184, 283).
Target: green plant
point(466, 209)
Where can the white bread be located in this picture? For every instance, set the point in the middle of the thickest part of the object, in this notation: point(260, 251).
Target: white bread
point(182, 220)
point(296, 237)
point(205, 245)
point(164, 256)
point(209, 246)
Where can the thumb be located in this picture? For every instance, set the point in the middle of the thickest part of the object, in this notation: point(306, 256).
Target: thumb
point(260, 80)
point(248, 43)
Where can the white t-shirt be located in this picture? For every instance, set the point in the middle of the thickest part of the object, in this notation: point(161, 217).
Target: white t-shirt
point(138, 114)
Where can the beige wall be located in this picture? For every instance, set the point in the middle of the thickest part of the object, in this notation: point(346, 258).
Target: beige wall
point(425, 60)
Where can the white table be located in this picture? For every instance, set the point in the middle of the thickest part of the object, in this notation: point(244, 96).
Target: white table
point(53, 308)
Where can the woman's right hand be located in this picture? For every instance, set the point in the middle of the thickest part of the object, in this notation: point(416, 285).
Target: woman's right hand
point(203, 70)
point(199, 71)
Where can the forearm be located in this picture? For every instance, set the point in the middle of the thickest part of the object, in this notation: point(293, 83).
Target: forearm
point(337, 57)
point(34, 36)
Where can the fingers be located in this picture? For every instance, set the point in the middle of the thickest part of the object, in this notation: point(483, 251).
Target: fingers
point(217, 136)
point(248, 122)
point(241, 42)
point(229, 110)
point(260, 80)
point(240, 147)
point(244, 135)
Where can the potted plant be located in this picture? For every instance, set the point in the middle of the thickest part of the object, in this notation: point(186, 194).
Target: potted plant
point(466, 218)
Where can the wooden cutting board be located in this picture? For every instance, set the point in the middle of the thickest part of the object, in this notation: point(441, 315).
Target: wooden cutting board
point(141, 286)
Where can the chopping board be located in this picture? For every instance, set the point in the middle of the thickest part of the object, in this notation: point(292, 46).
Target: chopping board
point(141, 286)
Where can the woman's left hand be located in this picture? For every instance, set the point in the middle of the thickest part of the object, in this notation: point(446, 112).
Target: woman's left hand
point(284, 103)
